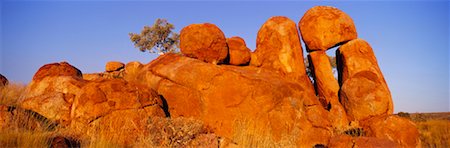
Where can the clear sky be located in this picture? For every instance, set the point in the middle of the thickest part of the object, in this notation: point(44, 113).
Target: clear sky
point(409, 38)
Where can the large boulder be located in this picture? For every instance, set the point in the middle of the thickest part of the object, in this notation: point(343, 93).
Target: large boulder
point(114, 66)
point(205, 42)
point(53, 90)
point(62, 96)
point(57, 69)
point(327, 88)
point(394, 128)
point(364, 92)
point(3, 80)
point(227, 97)
point(239, 53)
point(323, 27)
point(278, 48)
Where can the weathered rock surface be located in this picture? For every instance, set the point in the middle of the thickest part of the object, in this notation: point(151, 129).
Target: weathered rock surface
point(323, 27)
point(327, 88)
point(114, 66)
point(239, 53)
point(394, 128)
point(205, 42)
point(3, 80)
point(223, 96)
point(364, 92)
point(278, 48)
point(62, 96)
point(57, 69)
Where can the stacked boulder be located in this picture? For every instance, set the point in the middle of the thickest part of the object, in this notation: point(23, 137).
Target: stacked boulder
point(113, 69)
point(219, 81)
point(362, 90)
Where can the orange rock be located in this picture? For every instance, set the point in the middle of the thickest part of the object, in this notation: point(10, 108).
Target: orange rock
point(99, 98)
point(360, 142)
point(224, 97)
point(278, 48)
point(3, 80)
point(114, 66)
point(323, 27)
point(239, 53)
point(205, 42)
point(327, 88)
point(400, 130)
point(68, 99)
point(364, 92)
point(57, 69)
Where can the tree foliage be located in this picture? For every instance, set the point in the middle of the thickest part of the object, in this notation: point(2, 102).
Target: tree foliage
point(157, 38)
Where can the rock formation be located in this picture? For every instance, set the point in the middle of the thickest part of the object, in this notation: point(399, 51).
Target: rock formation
point(205, 42)
point(3, 80)
point(323, 27)
point(239, 53)
point(224, 96)
point(272, 97)
point(278, 48)
point(59, 93)
point(364, 92)
point(114, 66)
point(327, 88)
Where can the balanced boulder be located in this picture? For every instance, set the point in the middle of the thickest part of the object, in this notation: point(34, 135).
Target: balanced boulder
point(323, 27)
point(364, 92)
point(239, 53)
point(205, 42)
point(114, 66)
point(3, 80)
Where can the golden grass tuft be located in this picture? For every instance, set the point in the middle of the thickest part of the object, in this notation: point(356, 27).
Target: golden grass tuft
point(10, 93)
point(434, 133)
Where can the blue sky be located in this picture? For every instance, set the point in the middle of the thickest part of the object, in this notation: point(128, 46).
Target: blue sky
point(409, 38)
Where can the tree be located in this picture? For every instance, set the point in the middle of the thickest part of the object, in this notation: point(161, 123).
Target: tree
point(157, 38)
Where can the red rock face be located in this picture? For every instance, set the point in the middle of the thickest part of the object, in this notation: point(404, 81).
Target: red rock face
point(394, 128)
point(278, 48)
point(364, 92)
point(327, 88)
point(323, 27)
point(3, 80)
point(62, 97)
point(224, 97)
point(239, 53)
point(205, 42)
point(114, 66)
point(57, 69)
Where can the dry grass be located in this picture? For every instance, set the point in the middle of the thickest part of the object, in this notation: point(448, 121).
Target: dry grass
point(10, 93)
point(434, 133)
point(248, 134)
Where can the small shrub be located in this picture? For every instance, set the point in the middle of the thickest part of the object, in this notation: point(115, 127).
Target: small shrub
point(355, 132)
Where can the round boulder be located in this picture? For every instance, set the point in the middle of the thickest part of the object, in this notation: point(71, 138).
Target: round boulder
point(205, 42)
point(323, 27)
point(3, 80)
point(114, 66)
point(239, 53)
point(57, 69)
